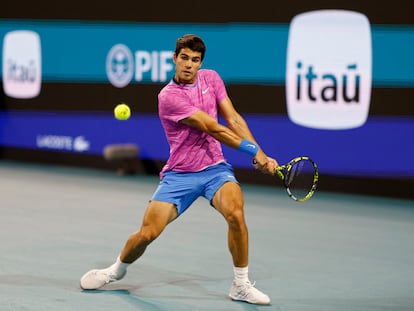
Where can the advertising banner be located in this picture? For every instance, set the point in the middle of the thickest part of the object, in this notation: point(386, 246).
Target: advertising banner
point(329, 63)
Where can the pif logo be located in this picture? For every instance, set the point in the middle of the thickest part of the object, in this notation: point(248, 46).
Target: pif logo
point(329, 69)
point(22, 68)
point(120, 65)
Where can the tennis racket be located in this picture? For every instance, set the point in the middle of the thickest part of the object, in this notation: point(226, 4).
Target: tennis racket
point(300, 178)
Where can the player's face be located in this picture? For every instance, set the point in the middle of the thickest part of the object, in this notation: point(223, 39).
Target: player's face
point(187, 63)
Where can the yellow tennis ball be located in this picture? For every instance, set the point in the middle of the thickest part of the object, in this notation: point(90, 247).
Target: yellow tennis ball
point(122, 112)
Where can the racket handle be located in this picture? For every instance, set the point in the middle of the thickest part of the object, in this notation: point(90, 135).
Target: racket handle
point(280, 173)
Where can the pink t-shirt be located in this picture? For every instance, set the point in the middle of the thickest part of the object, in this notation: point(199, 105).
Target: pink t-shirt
point(191, 150)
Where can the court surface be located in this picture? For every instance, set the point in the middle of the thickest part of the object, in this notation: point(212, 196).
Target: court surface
point(335, 252)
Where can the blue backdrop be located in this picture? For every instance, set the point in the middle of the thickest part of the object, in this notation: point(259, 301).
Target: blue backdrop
point(76, 52)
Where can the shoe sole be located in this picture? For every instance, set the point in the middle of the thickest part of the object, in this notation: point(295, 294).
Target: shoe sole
point(253, 303)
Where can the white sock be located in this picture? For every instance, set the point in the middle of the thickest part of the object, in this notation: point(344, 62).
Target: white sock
point(119, 267)
point(241, 274)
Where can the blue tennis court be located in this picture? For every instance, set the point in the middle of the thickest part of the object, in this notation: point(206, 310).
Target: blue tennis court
point(335, 252)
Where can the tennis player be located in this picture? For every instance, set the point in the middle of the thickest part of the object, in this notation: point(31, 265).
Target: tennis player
point(188, 108)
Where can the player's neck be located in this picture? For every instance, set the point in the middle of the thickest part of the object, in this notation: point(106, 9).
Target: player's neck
point(178, 81)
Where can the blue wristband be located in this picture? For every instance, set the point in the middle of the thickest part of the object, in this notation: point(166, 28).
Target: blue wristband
point(248, 147)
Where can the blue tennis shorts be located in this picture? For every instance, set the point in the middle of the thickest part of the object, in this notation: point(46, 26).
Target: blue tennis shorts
point(183, 188)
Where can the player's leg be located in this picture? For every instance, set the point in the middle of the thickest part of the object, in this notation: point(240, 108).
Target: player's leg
point(157, 216)
point(228, 200)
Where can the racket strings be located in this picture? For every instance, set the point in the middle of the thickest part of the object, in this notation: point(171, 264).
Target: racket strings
point(300, 179)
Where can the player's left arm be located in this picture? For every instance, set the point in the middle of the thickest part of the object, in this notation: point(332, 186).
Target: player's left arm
point(234, 120)
point(239, 126)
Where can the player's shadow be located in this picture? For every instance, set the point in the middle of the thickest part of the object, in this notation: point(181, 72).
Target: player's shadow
point(157, 305)
point(139, 303)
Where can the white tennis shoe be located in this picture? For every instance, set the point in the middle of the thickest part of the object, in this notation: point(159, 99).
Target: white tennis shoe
point(96, 278)
point(247, 292)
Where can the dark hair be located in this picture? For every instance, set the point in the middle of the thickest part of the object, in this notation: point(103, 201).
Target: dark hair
point(193, 42)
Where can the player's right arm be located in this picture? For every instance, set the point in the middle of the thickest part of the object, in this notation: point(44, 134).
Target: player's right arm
point(204, 122)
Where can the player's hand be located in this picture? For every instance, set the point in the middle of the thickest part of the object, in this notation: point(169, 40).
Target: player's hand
point(265, 164)
point(272, 165)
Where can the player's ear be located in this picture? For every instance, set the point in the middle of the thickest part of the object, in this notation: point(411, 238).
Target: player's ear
point(174, 58)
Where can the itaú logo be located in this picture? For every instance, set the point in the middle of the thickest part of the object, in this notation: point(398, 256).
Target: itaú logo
point(22, 64)
point(329, 69)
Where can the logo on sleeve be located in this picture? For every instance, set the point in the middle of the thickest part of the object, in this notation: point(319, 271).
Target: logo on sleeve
point(329, 69)
point(22, 64)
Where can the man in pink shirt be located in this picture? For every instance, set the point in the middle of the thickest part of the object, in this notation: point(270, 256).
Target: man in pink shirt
point(188, 109)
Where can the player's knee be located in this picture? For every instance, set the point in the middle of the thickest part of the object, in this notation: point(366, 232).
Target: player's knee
point(235, 219)
point(148, 234)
